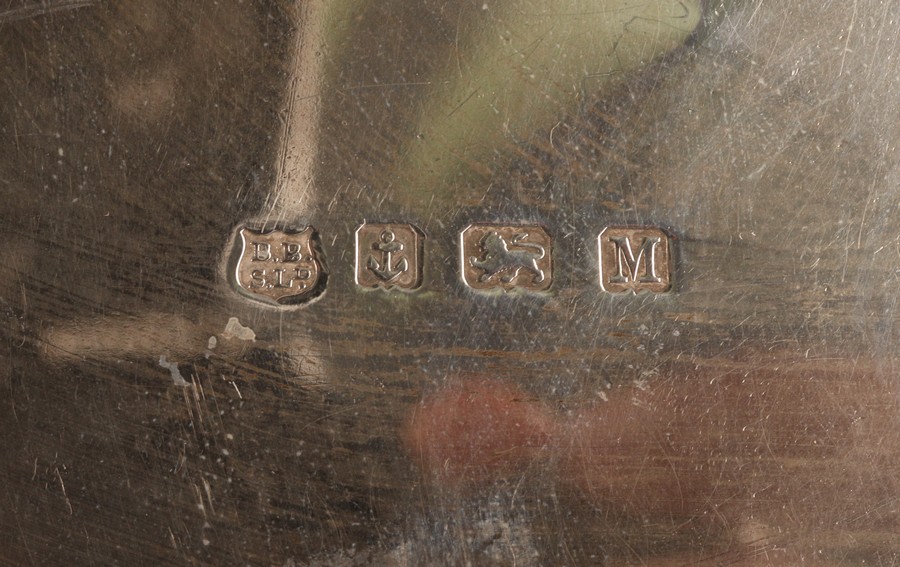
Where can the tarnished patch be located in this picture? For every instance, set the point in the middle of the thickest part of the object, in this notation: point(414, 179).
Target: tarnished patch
point(280, 266)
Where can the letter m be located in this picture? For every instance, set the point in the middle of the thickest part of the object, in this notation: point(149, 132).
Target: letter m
point(629, 265)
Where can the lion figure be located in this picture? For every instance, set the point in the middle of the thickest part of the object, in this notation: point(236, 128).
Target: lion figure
point(508, 258)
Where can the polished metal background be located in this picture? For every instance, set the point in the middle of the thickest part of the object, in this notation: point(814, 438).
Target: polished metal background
point(151, 413)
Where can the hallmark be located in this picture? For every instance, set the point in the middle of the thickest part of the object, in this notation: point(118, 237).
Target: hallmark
point(280, 266)
point(389, 255)
point(634, 259)
point(506, 257)
point(286, 267)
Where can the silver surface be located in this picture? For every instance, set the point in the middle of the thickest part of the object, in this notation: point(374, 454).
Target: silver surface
point(153, 413)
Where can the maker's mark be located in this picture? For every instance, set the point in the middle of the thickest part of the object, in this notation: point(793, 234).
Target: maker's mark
point(280, 266)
